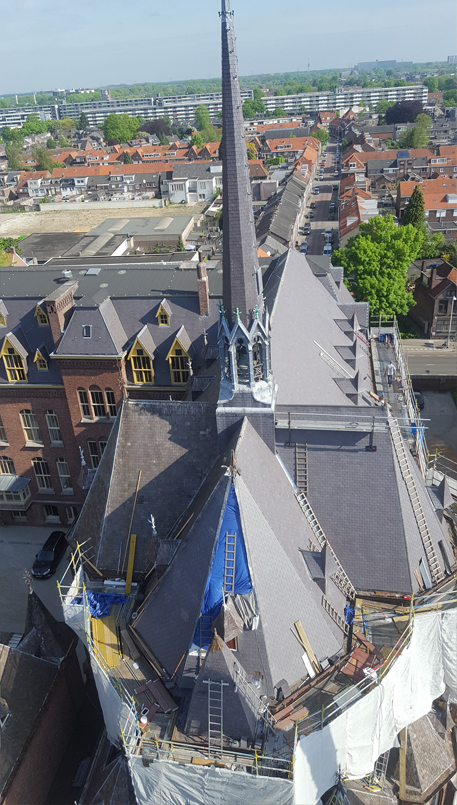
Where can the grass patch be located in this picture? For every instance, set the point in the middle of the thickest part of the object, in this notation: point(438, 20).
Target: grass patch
point(407, 328)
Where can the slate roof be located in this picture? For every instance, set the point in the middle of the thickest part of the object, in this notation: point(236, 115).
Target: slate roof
point(197, 170)
point(107, 334)
point(23, 329)
point(294, 294)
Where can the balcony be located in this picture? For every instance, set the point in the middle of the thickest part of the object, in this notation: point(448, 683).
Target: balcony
point(14, 493)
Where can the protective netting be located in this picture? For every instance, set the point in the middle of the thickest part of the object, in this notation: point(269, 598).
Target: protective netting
point(424, 670)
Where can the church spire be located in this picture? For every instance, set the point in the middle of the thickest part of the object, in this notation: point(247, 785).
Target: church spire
point(242, 280)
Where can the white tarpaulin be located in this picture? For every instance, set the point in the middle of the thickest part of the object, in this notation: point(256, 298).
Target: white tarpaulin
point(167, 783)
point(353, 741)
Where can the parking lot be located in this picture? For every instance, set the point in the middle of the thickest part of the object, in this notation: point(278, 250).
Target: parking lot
point(18, 548)
point(320, 221)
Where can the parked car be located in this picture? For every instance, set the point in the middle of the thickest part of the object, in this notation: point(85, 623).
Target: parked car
point(331, 216)
point(420, 402)
point(48, 558)
point(304, 248)
point(335, 187)
point(311, 213)
point(329, 234)
point(307, 229)
point(336, 174)
point(332, 206)
point(323, 163)
point(327, 250)
point(313, 205)
point(317, 190)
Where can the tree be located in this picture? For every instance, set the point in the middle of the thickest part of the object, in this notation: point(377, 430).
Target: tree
point(8, 244)
point(83, 122)
point(160, 126)
point(197, 140)
point(50, 143)
point(449, 253)
point(33, 125)
point(65, 124)
point(322, 135)
point(345, 144)
point(403, 112)
point(414, 213)
point(120, 127)
point(201, 117)
point(127, 158)
point(251, 152)
point(376, 262)
point(163, 139)
point(259, 106)
point(13, 155)
point(432, 245)
point(211, 134)
point(64, 142)
point(248, 109)
point(381, 110)
point(13, 136)
point(431, 83)
point(180, 246)
point(42, 158)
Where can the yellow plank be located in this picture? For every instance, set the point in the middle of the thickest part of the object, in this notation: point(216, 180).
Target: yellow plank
point(307, 646)
point(104, 636)
point(128, 581)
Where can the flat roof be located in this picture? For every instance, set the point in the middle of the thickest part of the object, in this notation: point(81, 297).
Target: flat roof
point(166, 225)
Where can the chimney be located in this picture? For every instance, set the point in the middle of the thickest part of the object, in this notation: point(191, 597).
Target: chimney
point(59, 305)
point(203, 289)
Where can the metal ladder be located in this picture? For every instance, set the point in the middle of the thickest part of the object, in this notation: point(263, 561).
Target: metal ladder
point(229, 568)
point(215, 714)
point(301, 467)
point(432, 559)
point(206, 632)
point(376, 780)
point(257, 704)
point(340, 578)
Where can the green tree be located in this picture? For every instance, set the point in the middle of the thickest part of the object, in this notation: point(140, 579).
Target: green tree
point(248, 109)
point(83, 122)
point(259, 106)
point(201, 117)
point(278, 112)
point(13, 136)
point(50, 143)
point(14, 156)
point(8, 244)
point(211, 134)
point(251, 152)
point(180, 246)
point(33, 125)
point(432, 245)
point(65, 124)
point(197, 140)
point(127, 159)
point(42, 158)
point(431, 83)
point(163, 139)
point(345, 144)
point(120, 127)
point(64, 142)
point(322, 135)
point(449, 253)
point(414, 212)
point(376, 262)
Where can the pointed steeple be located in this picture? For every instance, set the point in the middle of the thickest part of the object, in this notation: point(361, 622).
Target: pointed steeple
point(242, 288)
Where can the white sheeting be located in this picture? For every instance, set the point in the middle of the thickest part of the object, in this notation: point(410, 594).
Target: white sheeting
point(111, 703)
point(353, 742)
point(167, 783)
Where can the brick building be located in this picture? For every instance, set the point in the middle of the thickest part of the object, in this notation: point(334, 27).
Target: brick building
point(435, 294)
point(70, 349)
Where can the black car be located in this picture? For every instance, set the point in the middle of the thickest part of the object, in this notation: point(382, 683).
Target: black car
point(311, 213)
point(46, 561)
point(420, 402)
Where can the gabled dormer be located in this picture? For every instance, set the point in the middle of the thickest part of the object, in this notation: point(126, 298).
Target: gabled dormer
point(179, 358)
point(163, 314)
point(14, 357)
point(41, 316)
point(41, 359)
point(141, 357)
point(3, 314)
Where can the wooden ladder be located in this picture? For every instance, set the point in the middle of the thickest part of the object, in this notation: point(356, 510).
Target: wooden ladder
point(432, 559)
point(229, 568)
point(335, 616)
point(301, 467)
point(340, 578)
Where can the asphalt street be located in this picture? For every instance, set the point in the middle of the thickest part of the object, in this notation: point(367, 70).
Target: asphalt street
point(432, 362)
point(320, 222)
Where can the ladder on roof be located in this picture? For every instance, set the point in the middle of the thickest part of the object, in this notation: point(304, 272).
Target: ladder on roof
point(377, 779)
point(215, 714)
point(335, 616)
point(301, 467)
point(206, 632)
point(399, 444)
point(229, 566)
point(340, 578)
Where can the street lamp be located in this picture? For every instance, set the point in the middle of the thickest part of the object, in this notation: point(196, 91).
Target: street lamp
point(450, 321)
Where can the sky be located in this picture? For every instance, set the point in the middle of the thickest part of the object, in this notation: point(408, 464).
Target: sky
point(50, 44)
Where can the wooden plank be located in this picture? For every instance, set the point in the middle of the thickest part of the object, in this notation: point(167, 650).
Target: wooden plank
point(307, 646)
point(162, 696)
point(201, 761)
point(127, 640)
point(104, 635)
point(128, 581)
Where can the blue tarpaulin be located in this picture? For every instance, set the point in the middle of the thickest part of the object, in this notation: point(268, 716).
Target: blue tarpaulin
point(214, 591)
point(100, 603)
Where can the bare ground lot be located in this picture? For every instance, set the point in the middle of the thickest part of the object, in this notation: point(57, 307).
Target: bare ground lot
point(80, 218)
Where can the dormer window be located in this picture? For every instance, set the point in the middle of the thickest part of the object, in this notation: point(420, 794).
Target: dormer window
point(163, 314)
point(41, 362)
point(87, 331)
point(14, 363)
point(141, 363)
point(2, 320)
point(179, 361)
point(41, 317)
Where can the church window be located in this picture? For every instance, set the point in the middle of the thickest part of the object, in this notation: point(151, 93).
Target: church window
point(179, 362)
point(242, 363)
point(14, 363)
point(141, 363)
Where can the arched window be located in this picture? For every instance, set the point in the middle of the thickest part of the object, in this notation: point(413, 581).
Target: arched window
point(242, 362)
point(141, 363)
point(179, 362)
point(14, 363)
point(64, 475)
point(227, 369)
point(257, 358)
point(30, 426)
point(42, 474)
point(111, 402)
point(52, 422)
point(6, 466)
point(98, 403)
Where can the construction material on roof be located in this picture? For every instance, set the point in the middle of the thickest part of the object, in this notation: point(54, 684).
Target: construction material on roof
point(100, 603)
point(104, 635)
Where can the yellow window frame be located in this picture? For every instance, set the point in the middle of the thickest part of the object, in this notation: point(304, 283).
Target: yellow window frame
point(141, 364)
point(14, 363)
point(178, 360)
point(162, 317)
point(41, 317)
point(2, 320)
point(41, 363)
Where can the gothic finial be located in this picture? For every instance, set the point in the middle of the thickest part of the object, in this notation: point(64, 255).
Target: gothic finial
point(221, 310)
point(237, 313)
point(256, 312)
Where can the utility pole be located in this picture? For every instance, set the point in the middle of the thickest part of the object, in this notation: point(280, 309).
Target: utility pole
point(450, 322)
